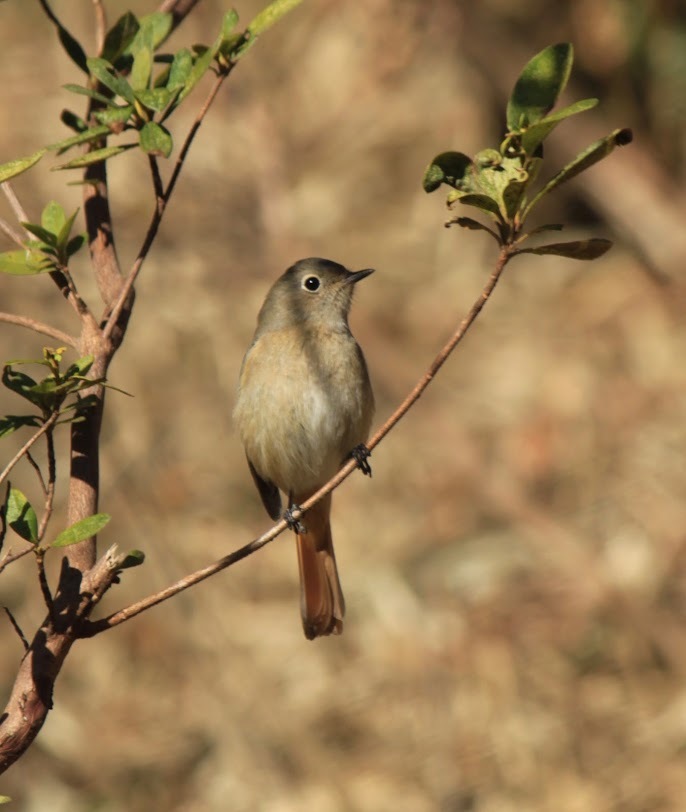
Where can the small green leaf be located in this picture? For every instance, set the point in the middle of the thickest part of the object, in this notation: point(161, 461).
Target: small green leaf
point(47, 238)
point(270, 15)
point(21, 517)
point(536, 133)
point(156, 140)
point(81, 530)
point(156, 99)
point(24, 263)
point(157, 26)
point(577, 249)
point(5, 799)
point(72, 121)
point(84, 137)
point(134, 558)
point(114, 116)
point(452, 168)
point(483, 202)
point(119, 37)
point(73, 48)
point(13, 168)
point(200, 67)
point(80, 367)
point(141, 70)
point(11, 422)
point(104, 72)
point(75, 244)
point(53, 218)
point(180, 70)
point(86, 91)
point(543, 79)
point(65, 231)
point(95, 157)
point(591, 155)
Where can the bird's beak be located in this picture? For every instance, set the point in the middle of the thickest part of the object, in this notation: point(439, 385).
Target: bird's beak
point(358, 275)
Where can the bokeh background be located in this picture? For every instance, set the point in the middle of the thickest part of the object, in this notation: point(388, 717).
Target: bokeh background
point(515, 571)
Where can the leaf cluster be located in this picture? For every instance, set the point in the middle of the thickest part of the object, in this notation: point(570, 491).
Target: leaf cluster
point(501, 182)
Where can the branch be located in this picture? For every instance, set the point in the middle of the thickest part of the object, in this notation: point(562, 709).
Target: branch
point(15, 236)
point(10, 559)
point(49, 423)
point(92, 628)
point(39, 327)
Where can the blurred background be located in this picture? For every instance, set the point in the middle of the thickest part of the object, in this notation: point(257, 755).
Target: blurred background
point(515, 571)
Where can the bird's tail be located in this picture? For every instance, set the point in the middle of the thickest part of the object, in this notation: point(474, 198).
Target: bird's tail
point(321, 599)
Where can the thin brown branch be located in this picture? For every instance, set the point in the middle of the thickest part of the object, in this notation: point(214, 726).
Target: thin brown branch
point(13, 200)
point(39, 473)
point(39, 327)
point(44, 586)
point(49, 423)
point(160, 208)
point(17, 628)
point(134, 609)
point(100, 25)
point(15, 236)
point(10, 558)
point(52, 480)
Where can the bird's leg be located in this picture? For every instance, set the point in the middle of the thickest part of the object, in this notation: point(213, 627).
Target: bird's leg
point(294, 524)
point(361, 455)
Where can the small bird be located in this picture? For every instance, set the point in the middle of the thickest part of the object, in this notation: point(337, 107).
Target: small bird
point(304, 405)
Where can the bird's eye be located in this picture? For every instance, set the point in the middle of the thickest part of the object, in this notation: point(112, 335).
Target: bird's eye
point(311, 283)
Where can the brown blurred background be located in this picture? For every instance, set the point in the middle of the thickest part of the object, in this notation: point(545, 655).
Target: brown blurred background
point(515, 571)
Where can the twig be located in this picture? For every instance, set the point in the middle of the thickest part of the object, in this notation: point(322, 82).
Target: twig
point(49, 423)
point(13, 200)
point(100, 25)
point(38, 471)
point(39, 327)
point(17, 628)
point(43, 581)
point(91, 629)
point(10, 559)
point(52, 479)
point(160, 208)
point(15, 236)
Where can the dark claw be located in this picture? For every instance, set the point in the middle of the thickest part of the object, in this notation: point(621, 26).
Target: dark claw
point(361, 455)
point(294, 524)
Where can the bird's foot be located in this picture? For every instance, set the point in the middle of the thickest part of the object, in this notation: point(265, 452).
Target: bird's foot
point(361, 455)
point(294, 524)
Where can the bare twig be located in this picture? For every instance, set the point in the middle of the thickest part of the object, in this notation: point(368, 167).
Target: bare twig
point(52, 479)
point(134, 609)
point(38, 471)
point(10, 558)
point(15, 236)
point(38, 327)
point(44, 586)
point(13, 200)
point(49, 423)
point(17, 628)
point(100, 25)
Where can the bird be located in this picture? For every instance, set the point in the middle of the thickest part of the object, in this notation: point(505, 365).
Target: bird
point(304, 405)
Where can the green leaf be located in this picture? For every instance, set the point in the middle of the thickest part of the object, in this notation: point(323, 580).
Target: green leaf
point(103, 71)
point(5, 799)
point(73, 48)
point(141, 70)
point(84, 137)
point(63, 236)
point(532, 136)
point(120, 36)
point(114, 117)
point(24, 263)
point(21, 517)
point(53, 218)
point(180, 69)
point(591, 155)
point(81, 530)
point(483, 202)
point(543, 79)
point(73, 121)
point(157, 26)
point(452, 168)
point(75, 244)
point(269, 16)
point(13, 168)
point(577, 249)
point(86, 91)
point(134, 558)
point(156, 140)
point(80, 367)
point(46, 237)
point(200, 67)
point(156, 99)
point(11, 422)
point(95, 157)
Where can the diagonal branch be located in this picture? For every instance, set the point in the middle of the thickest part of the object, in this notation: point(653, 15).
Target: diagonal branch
point(49, 423)
point(38, 327)
point(92, 628)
